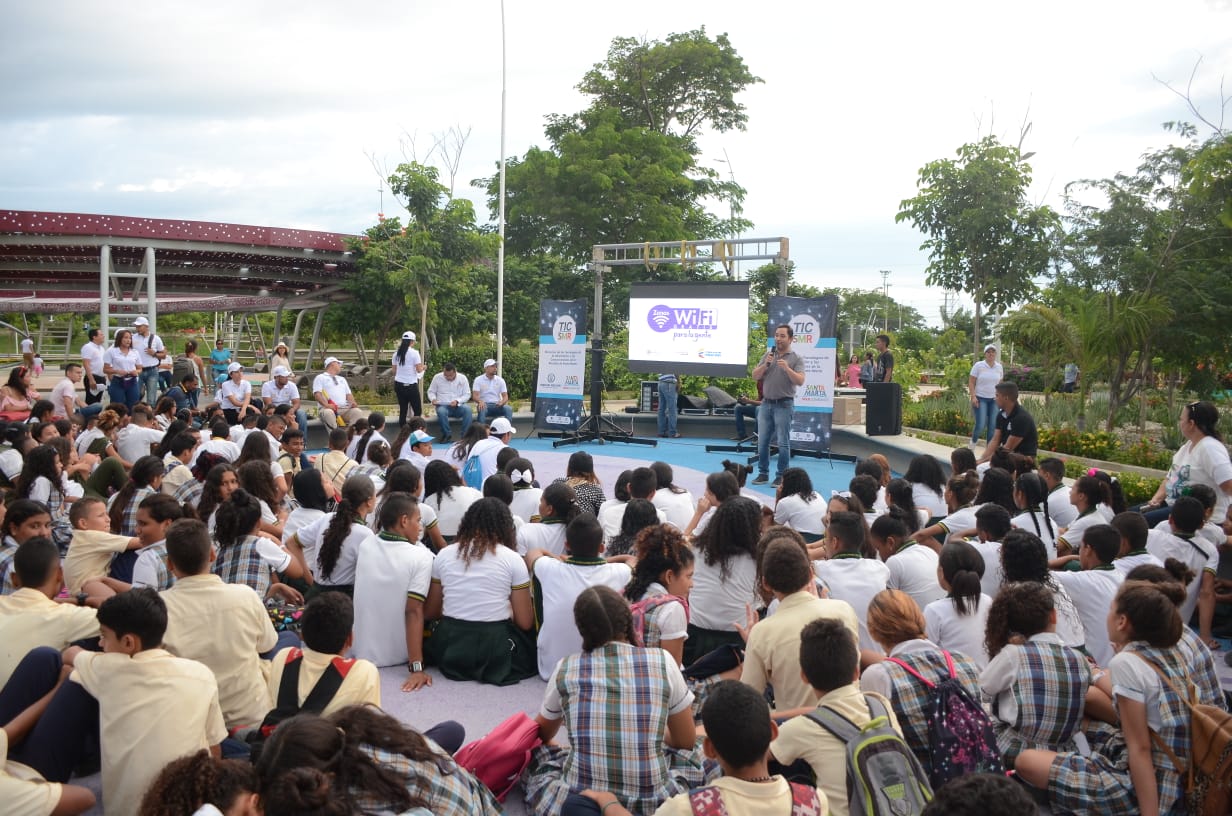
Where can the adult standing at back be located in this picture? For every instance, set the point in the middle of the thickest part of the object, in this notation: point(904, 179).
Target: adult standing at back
point(334, 397)
point(220, 358)
point(491, 393)
point(982, 388)
point(150, 347)
point(407, 367)
point(780, 372)
point(92, 354)
point(884, 370)
point(123, 365)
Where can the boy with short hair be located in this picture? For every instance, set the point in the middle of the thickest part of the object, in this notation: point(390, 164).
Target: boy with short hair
point(772, 655)
point(830, 661)
point(1093, 589)
point(1134, 533)
point(153, 706)
point(335, 463)
point(289, 459)
point(224, 626)
point(992, 522)
point(93, 544)
point(847, 574)
point(1182, 542)
point(557, 585)
point(1052, 471)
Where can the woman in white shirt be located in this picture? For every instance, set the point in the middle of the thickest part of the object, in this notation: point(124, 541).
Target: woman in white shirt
point(235, 394)
point(957, 621)
point(122, 364)
point(799, 506)
point(407, 369)
point(724, 577)
point(445, 493)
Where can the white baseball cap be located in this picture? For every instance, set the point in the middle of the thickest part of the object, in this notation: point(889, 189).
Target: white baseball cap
point(419, 436)
point(501, 426)
point(234, 367)
point(409, 335)
point(990, 347)
point(489, 362)
point(282, 371)
point(141, 321)
point(331, 360)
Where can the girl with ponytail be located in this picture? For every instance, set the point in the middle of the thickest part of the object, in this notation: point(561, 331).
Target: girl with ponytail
point(614, 700)
point(956, 622)
point(1086, 495)
point(664, 570)
point(244, 556)
point(335, 538)
point(1031, 497)
point(557, 507)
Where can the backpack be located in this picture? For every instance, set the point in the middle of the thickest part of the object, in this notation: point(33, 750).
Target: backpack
point(1208, 779)
point(643, 608)
point(708, 801)
point(960, 735)
point(883, 776)
point(181, 367)
point(288, 705)
point(472, 473)
point(498, 759)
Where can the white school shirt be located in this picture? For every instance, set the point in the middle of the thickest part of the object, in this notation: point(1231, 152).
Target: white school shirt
point(1210, 531)
point(487, 450)
point(1194, 551)
point(84, 440)
point(1069, 621)
point(479, 591)
point(986, 378)
point(994, 575)
point(959, 633)
point(961, 519)
point(1073, 534)
point(913, 569)
point(1092, 592)
point(145, 568)
point(132, 441)
point(1134, 679)
point(1134, 559)
point(854, 579)
point(1048, 535)
point(335, 388)
point(526, 504)
point(145, 346)
point(271, 393)
point(542, 535)
point(923, 496)
point(123, 364)
point(387, 573)
point(228, 450)
point(677, 507)
point(803, 516)
point(406, 372)
point(719, 603)
point(490, 388)
point(450, 509)
point(297, 519)
point(1060, 510)
point(558, 585)
point(310, 538)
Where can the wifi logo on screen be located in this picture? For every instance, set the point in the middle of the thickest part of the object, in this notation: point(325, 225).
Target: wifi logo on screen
point(660, 318)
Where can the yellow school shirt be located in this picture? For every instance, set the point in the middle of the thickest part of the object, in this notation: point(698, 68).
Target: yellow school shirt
point(89, 556)
point(741, 798)
point(826, 754)
point(22, 791)
point(226, 627)
point(361, 682)
point(153, 707)
point(28, 618)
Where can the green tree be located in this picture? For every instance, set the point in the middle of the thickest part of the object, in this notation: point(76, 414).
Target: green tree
point(984, 237)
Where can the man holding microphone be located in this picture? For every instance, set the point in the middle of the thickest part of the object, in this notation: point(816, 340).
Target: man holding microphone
point(780, 372)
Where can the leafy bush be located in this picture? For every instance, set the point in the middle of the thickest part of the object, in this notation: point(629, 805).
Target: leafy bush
point(1145, 453)
point(1026, 377)
point(1095, 444)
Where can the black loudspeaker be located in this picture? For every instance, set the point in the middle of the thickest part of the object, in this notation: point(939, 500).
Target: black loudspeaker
point(883, 409)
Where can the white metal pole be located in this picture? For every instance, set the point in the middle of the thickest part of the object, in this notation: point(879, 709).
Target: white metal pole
point(500, 249)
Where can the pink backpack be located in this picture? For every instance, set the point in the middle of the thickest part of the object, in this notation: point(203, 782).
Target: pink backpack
point(499, 759)
point(643, 608)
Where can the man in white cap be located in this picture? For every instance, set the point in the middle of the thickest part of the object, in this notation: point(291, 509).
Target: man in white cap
point(281, 391)
point(150, 347)
point(486, 450)
point(333, 395)
point(407, 367)
point(492, 393)
point(449, 393)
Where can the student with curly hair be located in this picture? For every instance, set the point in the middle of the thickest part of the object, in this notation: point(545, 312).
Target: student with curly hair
point(798, 505)
point(189, 783)
point(447, 496)
point(617, 702)
point(480, 593)
point(361, 760)
point(245, 556)
point(335, 538)
point(557, 508)
point(664, 569)
point(1023, 558)
point(1038, 687)
point(724, 576)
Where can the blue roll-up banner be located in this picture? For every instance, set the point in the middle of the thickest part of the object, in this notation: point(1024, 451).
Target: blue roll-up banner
point(814, 322)
point(560, 389)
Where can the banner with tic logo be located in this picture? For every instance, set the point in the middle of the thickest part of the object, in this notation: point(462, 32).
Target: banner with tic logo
point(560, 389)
point(813, 323)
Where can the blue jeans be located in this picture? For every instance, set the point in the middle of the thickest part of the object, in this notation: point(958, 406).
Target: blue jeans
point(774, 421)
point(491, 411)
point(149, 384)
point(88, 411)
point(462, 412)
point(667, 407)
point(126, 390)
point(743, 411)
point(985, 418)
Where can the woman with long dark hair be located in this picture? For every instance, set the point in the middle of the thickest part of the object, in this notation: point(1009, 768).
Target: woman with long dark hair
point(1203, 459)
point(335, 538)
point(928, 484)
point(122, 363)
point(17, 395)
point(408, 368)
point(724, 576)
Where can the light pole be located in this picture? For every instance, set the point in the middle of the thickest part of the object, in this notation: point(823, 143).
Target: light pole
point(500, 249)
point(885, 306)
point(732, 209)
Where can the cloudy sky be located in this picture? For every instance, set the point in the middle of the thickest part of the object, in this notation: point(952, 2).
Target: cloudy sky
point(267, 113)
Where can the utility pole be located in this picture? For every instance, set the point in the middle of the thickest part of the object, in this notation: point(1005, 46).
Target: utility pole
point(885, 293)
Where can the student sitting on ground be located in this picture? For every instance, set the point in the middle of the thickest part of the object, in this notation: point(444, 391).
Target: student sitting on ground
point(155, 515)
point(224, 626)
point(1031, 497)
point(1023, 558)
point(24, 520)
point(93, 545)
point(1182, 542)
point(557, 507)
point(662, 579)
point(798, 506)
point(720, 486)
point(739, 732)
point(957, 621)
point(557, 585)
point(334, 538)
point(847, 575)
point(335, 463)
point(1093, 589)
point(992, 522)
point(724, 576)
point(1134, 534)
point(913, 566)
point(191, 783)
point(773, 653)
point(317, 678)
point(1038, 688)
point(521, 473)
point(960, 493)
point(246, 557)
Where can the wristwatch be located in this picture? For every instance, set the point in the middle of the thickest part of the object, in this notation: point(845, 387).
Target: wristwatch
point(81, 598)
point(415, 666)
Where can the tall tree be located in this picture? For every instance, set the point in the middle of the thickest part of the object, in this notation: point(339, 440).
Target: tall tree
point(984, 237)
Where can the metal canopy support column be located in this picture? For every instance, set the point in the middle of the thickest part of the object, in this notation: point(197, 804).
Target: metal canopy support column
point(151, 305)
point(291, 352)
point(316, 336)
point(104, 291)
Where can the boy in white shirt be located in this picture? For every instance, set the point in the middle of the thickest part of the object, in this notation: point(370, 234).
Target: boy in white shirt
point(1183, 543)
point(1134, 532)
point(847, 575)
point(992, 522)
point(557, 585)
point(1062, 513)
point(913, 566)
point(1093, 589)
point(139, 437)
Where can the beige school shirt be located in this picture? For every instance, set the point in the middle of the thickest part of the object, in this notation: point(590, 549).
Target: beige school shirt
point(772, 655)
point(153, 707)
point(226, 627)
point(361, 683)
point(741, 798)
point(28, 618)
point(89, 556)
point(826, 754)
point(22, 790)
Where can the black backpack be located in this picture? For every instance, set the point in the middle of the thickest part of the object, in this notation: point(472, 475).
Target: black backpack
point(288, 706)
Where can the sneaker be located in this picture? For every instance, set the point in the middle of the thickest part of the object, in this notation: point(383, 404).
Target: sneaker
point(674, 436)
point(778, 481)
point(762, 478)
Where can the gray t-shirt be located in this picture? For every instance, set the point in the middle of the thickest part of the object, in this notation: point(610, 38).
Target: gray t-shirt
point(775, 383)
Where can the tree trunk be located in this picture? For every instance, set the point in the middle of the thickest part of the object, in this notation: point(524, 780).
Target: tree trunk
point(976, 330)
point(1083, 392)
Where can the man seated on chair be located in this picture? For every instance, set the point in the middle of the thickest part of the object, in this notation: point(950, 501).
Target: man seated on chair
point(746, 407)
point(449, 393)
point(492, 394)
point(333, 395)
